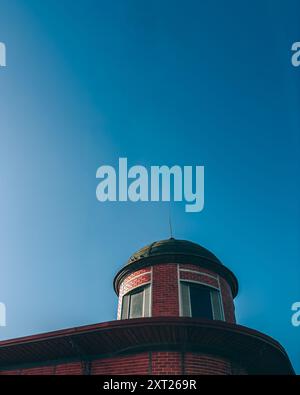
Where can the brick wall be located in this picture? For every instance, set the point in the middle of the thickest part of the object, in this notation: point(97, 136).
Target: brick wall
point(165, 292)
point(165, 298)
point(166, 363)
point(155, 362)
point(133, 364)
point(206, 365)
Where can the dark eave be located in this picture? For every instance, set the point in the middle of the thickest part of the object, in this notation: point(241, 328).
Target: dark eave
point(258, 353)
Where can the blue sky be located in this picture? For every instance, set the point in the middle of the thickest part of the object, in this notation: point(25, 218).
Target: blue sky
point(159, 82)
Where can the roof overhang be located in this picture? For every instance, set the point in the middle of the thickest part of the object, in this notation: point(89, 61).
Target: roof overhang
point(256, 352)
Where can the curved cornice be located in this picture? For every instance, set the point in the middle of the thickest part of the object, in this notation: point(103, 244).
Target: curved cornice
point(166, 258)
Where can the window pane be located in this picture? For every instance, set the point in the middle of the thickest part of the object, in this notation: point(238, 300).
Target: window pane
point(216, 304)
point(185, 300)
point(147, 301)
point(200, 301)
point(136, 304)
point(125, 305)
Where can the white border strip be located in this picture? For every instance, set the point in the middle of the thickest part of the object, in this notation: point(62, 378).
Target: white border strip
point(196, 271)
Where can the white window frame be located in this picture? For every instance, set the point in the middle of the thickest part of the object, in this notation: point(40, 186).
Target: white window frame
point(144, 286)
point(189, 301)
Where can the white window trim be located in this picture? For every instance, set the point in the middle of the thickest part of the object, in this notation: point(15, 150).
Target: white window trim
point(138, 286)
point(206, 285)
point(179, 291)
point(199, 282)
point(221, 298)
point(198, 272)
point(120, 303)
point(150, 296)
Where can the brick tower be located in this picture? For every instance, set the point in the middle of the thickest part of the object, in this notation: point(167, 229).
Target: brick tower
point(175, 316)
point(176, 278)
point(186, 283)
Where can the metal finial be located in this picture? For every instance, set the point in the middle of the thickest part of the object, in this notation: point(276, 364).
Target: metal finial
point(170, 223)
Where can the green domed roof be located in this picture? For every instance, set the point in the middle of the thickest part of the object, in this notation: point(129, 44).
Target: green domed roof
point(172, 246)
point(175, 251)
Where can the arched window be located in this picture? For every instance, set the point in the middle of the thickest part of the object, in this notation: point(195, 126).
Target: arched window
point(136, 304)
point(200, 301)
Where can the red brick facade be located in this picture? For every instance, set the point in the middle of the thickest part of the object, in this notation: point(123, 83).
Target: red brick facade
point(165, 294)
point(165, 291)
point(155, 362)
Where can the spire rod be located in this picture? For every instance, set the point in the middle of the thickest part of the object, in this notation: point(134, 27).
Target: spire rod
point(170, 222)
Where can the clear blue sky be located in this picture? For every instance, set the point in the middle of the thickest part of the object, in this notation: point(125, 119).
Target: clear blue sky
point(160, 82)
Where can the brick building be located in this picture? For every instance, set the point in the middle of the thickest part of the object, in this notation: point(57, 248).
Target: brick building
point(176, 315)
